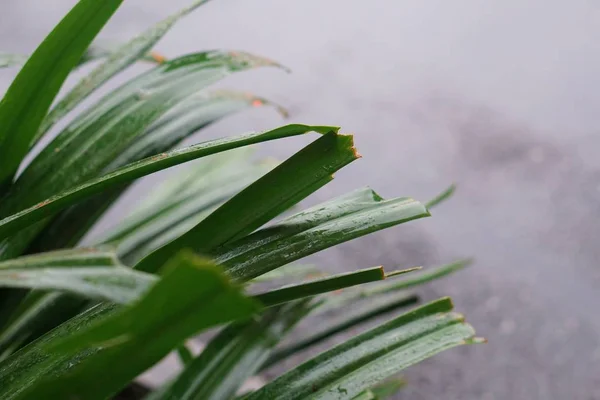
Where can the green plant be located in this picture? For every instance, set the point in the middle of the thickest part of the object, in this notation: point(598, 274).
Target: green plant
point(82, 323)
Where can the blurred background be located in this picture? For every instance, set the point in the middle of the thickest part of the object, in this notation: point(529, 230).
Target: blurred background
point(500, 97)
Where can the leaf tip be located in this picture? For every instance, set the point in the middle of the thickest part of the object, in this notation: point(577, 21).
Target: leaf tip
point(448, 301)
point(402, 272)
point(159, 58)
point(476, 340)
point(252, 60)
point(445, 195)
point(376, 196)
point(350, 138)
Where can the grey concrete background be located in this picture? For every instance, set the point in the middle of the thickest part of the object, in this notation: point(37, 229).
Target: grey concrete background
point(499, 96)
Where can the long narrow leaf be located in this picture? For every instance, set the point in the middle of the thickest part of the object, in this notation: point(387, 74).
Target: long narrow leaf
point(141, 168)
point(234, 355)
point(84, 149)
point(90, 143)
point(355, 315)
point(182, 200)
point(280, 189)
point(194, 182)
point(36, 315)
point(417, 279)
point(84, 357)
point(324, 285)
point(123, 285)
point(309, 233)
point(355, 201)
point(63, 258)
point(420, 278)
point(352, 367)
point(94, 52)
point(188, 213)
point(102, 49)
point(67, 228)
point(118, 284)
point(190, 116)
point(29, 97)
point(117, 61)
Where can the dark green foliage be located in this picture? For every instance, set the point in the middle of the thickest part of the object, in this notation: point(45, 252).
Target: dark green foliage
point(83, 323)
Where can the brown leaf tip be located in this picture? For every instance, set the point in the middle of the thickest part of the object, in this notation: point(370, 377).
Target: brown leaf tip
point(159, 58)
point(356, 153)
point(354, 150)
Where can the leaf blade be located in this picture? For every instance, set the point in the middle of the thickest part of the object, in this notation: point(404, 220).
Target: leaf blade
point(346, 370)
point(117, 284)
point(283, 243)
point(141, 168)
point(30, 95)
point(320, 286)
point(419, 278)
point(117, 61)
point(234, 355)
point(70, 358)
point(197, 112)
point(341, 323)
point(284, 186)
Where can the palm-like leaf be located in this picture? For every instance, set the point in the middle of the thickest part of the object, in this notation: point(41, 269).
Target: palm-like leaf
point(28, 99)
point(117, 60)
point(15, 222)
point(346, 370)
point(84, 323)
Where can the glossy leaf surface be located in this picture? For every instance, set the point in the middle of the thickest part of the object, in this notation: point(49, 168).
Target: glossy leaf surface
point(414, 280)
point(83, 150)
point(283, 187)
point(38, 308)
point(63, 258)
point(29, 97)
point(193, 114)
point(234, 355)
point(354, 316)
point(118, 284)
point(323, 285)
point(83, 359)
point(314, 230)
point(141, 168)
point(122, 285)
point(117, 60)
point(171, 207)
point(352, 367)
